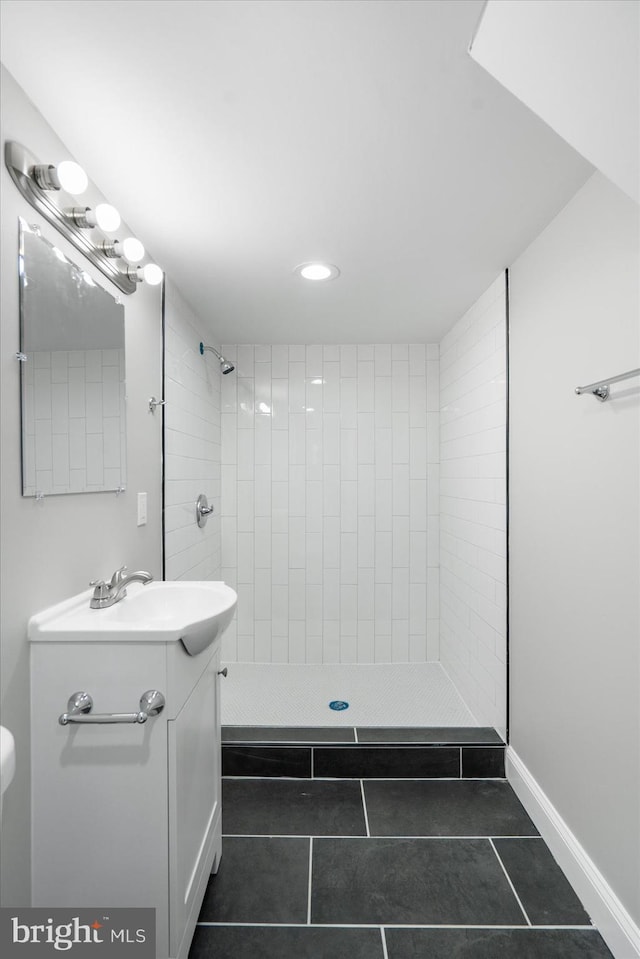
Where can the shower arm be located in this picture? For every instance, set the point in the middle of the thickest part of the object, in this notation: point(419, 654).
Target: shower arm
point(211, 350)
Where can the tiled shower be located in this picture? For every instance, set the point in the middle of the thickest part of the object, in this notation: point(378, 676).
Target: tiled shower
point(359, 494)
point(329, 502)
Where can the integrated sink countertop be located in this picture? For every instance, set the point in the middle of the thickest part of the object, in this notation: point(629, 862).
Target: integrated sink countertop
point(196, 613)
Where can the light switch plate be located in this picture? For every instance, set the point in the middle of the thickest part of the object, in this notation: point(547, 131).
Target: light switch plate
point(142, 509)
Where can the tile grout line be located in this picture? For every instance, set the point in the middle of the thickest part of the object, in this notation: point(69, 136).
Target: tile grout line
point(298, 835)
point(385, 954)
point(513, 888)
point(384, 779)
point(364, 808)
point(390, 925)
point(371, 744)
point(310, 873)
point(345, 743)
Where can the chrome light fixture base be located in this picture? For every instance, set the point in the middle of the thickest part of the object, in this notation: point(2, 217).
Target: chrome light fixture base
point(34, 181)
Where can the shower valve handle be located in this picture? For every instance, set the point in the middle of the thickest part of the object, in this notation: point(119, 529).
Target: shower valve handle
point(203, 510)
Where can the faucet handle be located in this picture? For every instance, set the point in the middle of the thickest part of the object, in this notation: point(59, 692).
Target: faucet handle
point(101, 588)
point(101, 594)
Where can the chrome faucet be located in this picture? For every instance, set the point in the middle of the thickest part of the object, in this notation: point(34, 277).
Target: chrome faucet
point(107, 594)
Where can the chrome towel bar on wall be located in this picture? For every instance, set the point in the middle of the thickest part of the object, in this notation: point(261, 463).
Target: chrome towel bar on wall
point(600, 388)
point(80, 705)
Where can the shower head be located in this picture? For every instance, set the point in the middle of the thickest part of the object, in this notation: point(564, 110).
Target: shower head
point(225, 365)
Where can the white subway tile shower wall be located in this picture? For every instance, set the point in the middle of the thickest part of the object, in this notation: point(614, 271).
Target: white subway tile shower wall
point(330, 503)
point(192, 445)
point(74, 416)
point(473, 506)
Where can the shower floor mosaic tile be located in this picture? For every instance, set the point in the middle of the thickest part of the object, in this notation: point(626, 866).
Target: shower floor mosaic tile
point(386, 869)
point(398, 694)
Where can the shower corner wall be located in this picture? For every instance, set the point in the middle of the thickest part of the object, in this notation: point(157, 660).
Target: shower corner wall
point(473, 506)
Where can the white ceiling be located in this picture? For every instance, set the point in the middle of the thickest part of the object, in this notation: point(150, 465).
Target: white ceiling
point(239, 138)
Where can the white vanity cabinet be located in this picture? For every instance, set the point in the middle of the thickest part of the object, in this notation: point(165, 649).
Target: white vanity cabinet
point(126, 814)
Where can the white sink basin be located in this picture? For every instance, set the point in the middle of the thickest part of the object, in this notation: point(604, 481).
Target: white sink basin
point(7, 758)
point(195, 613)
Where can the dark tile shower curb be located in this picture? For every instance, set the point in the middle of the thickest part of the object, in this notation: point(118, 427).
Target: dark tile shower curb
point(321, 753)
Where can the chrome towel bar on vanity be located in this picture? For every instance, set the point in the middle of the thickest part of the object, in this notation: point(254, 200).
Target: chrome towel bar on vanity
point(80, 705)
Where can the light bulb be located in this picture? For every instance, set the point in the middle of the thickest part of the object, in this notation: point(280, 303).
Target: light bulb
point(317, 271)
point(107, 217)
point(132, 249)
point(72, 177)
point(152, 274)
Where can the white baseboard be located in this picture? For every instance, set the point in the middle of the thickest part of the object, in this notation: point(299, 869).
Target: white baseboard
point(614, 923)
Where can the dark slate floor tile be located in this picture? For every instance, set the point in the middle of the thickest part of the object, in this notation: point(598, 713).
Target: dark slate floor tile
point(287, 734)
point(495, 944)
point(410, 881)
point(291, 807)
point(434, 735)
point(259, 880)
point(483, 762)
point(541, 885)
point(266, 761)
point(362, 762)
point(455, 807)
point(278, 942)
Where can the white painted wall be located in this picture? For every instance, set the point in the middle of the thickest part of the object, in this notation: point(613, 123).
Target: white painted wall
point(51, 549)
point(330, 502)
point(576, 63)
point(473, 512)
point(192, 443)
point(574, 533)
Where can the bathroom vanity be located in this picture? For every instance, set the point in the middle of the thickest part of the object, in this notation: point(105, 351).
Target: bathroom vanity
point(125, 811)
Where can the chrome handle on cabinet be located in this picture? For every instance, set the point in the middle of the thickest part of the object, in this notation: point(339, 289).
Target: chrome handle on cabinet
point(80, 705)
point(223, 672)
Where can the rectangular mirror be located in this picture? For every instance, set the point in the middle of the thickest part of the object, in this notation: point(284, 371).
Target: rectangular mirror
point(73, 377)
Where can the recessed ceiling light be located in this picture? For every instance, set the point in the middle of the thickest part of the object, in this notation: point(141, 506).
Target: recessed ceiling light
point(317, 271)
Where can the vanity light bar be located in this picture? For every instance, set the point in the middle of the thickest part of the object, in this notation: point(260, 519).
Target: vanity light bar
point(40, 184)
